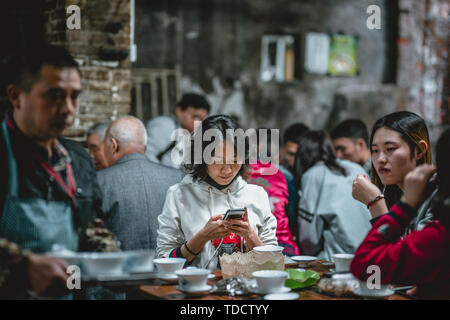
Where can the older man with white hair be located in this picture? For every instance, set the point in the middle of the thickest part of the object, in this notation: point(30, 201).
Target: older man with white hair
point(124, 136)
point(134, 188)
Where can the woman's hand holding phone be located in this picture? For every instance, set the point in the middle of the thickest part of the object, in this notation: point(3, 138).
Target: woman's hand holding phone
point(243, 228)
point(239, 226)
point(215, 228)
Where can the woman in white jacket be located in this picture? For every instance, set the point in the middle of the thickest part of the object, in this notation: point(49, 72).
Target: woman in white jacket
point(191, 224)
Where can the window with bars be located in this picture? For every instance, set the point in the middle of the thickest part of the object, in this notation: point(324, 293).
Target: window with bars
point(154, 92)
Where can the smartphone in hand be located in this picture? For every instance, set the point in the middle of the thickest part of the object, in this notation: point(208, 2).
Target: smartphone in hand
point(234, 214)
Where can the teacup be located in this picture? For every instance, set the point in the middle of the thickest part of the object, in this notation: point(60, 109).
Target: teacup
point(342, 261)
point(93, 264)
point(139, 261)
point(168, 266)
point(102, 263)
point(268, 248)
point(270, 281)
point(72, 258)
point(192, 279)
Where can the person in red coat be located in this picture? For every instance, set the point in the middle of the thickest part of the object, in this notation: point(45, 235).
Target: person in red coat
point(277, 190)
point(422, 258)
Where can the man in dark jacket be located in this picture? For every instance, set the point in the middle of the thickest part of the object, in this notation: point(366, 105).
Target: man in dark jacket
point(48, 189)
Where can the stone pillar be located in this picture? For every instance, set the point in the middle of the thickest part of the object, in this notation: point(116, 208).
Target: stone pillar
point(101, 46)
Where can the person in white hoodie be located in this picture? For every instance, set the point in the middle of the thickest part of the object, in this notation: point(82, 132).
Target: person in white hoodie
point(191, 224)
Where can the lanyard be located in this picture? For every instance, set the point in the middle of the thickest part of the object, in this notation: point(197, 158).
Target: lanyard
point(69, 189)
point(12, 167)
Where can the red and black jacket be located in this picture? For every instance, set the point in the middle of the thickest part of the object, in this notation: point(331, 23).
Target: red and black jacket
point(421, 258)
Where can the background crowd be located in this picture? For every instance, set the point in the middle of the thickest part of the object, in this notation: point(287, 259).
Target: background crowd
point(375, 194)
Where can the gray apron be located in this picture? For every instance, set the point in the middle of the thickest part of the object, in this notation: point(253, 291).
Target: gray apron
point(34, 223)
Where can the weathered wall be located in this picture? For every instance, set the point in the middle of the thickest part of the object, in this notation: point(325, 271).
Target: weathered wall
point(217, 44)
point(424, 61)
point(106, 79)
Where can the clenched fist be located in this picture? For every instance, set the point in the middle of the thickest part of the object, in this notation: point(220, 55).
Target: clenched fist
point(415, 183)
point(364, 190)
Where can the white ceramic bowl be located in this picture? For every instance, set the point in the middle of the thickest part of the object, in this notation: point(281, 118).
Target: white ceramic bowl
point(102, 263)
point(139, 261)
point(268, 248)
point(169, 266)
point(270, 281)
point(93, 264)
point(192, 279)
point(342, 261)
point(72, 258)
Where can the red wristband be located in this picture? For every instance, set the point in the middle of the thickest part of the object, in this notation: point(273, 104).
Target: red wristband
point(371, 202)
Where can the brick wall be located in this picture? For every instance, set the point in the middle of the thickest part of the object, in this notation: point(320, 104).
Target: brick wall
point(100, 47)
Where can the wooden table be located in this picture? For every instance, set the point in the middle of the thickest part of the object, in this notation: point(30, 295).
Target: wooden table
point(163, 291)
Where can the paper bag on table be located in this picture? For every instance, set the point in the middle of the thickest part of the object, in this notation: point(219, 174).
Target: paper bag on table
point(241, 264)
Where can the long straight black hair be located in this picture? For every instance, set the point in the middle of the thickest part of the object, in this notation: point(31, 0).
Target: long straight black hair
point(412, 129)
point(315, 146)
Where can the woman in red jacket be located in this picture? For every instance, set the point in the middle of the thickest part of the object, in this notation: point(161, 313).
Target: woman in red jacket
point(421, 258)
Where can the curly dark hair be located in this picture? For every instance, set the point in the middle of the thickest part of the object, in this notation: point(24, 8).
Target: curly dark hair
point(222, 123)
